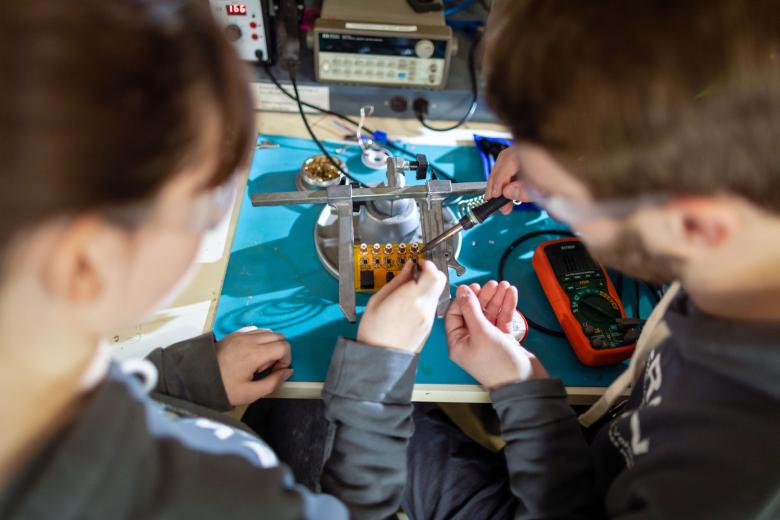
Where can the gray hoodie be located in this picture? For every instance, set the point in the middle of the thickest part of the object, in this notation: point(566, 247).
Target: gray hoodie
point(698, 438)
point(127, 455)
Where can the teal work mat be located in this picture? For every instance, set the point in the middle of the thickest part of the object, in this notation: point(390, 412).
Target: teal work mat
point(275, 280)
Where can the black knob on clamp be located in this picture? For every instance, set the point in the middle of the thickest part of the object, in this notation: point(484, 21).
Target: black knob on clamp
point(421, 165)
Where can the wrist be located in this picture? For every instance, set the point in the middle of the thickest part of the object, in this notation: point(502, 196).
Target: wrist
point(521, 368)
point(386, 342)
point(368, 339)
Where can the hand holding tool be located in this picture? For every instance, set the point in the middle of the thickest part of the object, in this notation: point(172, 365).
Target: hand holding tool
point(474, 216)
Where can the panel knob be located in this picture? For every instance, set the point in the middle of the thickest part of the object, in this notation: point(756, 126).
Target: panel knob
point(424, 49)
point(233, 33)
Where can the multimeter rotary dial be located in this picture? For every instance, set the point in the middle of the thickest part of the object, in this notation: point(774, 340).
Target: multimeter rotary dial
point(598, 313)
point(594, 305)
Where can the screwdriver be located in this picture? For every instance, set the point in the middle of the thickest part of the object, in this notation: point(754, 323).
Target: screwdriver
point(473, 217)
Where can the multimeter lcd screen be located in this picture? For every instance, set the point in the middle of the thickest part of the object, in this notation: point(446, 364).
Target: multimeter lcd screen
point(568, 263)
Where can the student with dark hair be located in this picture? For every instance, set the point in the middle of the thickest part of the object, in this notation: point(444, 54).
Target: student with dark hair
point(122, 126)
point(652, 129)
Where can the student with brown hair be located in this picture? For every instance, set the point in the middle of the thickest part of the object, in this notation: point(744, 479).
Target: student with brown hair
point(652, 129)
point(122, 126)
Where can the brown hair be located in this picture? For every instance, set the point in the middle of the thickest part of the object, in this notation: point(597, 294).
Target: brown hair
point(673, 96)
point(102, 102)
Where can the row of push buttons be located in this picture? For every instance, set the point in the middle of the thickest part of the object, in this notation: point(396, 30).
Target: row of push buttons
point(373, 69)
point(399, 64)
point(359, 62)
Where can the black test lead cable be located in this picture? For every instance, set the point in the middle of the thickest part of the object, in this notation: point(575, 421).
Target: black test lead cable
point(560, 232)
point(314, 137)
point(348, 119)
point(284, 91)
point(505, 256)
point(435, 171)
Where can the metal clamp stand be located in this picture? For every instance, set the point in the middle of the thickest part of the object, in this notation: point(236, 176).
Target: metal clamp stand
point(340, 198)
point(429, 197)
point(432, 226)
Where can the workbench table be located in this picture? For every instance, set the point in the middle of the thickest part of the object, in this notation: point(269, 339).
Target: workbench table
point(275, 279)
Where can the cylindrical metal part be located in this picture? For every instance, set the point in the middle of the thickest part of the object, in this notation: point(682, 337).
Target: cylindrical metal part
point(441, 238)
point(318, 173)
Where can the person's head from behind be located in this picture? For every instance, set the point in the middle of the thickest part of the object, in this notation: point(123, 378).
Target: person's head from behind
point(121, 125)
point(653, 128)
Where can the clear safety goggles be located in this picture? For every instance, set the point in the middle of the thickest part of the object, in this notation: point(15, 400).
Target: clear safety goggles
point(571, 213)
point(208, 209)
point(211, 207)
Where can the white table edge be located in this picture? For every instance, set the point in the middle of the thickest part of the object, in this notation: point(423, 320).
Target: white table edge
point(440, 393)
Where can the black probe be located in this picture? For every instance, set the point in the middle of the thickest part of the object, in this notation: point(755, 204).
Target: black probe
point(472, 217)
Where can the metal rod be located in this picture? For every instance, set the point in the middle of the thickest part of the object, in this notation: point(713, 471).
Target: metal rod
point(363, 194)
point(454, 230)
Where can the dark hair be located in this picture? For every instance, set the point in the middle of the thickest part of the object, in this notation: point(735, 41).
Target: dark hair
point(674, 96)
point(102, 102)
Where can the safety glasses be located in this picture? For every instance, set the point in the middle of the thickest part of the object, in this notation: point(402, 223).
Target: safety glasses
point(572, 213)
point(211, 207)
point(208, 209)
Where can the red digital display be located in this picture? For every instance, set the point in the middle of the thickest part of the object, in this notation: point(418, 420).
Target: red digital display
point(236, 9)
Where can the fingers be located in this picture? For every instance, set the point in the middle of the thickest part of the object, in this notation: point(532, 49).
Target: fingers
point(286, 359)
point(494, 305)
point(431, 280)
point(273, 347)
point(250, 331)
point(507, 312)
point(266, 336)
point(268, 384)
point(487, 293)
point(473, 317)
point(515, 191)
point(454, 318)
point(259, 346)
point(454, 325)
point(401, 278)
point(502, 173)
point(254, 330)
point(265, 355)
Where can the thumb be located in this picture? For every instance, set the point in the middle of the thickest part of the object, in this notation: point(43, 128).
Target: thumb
point(271, 382)
point(431, 279)
point(514, 190)
point(472, 311)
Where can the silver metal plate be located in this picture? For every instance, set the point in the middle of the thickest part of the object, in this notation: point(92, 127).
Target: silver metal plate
point(326, 237)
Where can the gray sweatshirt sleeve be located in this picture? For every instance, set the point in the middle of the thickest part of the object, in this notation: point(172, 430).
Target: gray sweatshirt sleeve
point(189, 371)
point(367, 398)
point(549, 462)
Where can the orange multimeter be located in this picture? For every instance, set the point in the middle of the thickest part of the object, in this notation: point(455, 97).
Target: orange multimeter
point(585, 302)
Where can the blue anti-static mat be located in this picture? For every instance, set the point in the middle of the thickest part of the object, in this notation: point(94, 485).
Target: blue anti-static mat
point(275, 280)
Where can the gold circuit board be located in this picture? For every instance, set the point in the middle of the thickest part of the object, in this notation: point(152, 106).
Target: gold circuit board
point(377, 264)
